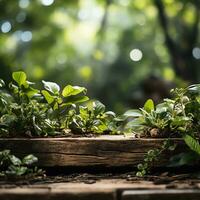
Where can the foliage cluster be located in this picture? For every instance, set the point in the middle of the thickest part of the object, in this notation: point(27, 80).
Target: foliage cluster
point(27, 111)
point(176, 117)
point(171, 118)
point(12, 166)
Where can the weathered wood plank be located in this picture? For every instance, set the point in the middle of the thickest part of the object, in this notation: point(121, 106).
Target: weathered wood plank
point(58, 194)
point(105, 189)
point(161, 194)
point(106, 151)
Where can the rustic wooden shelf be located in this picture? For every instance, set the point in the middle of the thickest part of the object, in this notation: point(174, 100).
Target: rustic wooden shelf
point(102, 190)
point(106, 151)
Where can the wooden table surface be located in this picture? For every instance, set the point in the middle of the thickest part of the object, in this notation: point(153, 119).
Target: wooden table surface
point(102, 189)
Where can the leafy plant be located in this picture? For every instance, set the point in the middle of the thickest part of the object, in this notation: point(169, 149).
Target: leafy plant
point(152, 156)
point(192, 143)
point(176, 117)
point(12, 166)
point(24, 115)
point(61, 102)
point(27, 111)
point(92, 118)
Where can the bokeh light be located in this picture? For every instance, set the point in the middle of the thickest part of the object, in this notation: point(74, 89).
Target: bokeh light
point(26, 36)
point(47, 2)
point(6, 27)
point(136, 55)
point(196, 52)
point(24, 3)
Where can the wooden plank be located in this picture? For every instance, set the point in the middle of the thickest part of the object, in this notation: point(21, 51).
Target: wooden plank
point(55, 194)
point(105, 151)
point(187, 194)
point(104, 189)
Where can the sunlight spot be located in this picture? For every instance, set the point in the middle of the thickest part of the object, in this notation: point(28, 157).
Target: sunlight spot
point(38, 72)
point(6, 27)
point(90, 11)
point(10, 44)
point(98, 55)
point(168, 74)
point(47, 2)
point(196, 52)
point(136, 55)
point(86, 72)
point(24, 3)
point(26, 36)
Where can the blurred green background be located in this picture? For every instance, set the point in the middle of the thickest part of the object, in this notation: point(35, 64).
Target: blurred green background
point(123, 51)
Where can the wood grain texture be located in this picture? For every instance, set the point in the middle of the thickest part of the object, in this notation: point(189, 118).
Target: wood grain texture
point(55, 194)
point(161, 194)
point(103, 190)
point(106, 151)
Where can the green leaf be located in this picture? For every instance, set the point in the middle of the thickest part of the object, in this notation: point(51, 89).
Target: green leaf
point(83, 110)
point(70, 90)
point(133, 113)
point(179, 121)
point(29, 160)
point(16, 170)
point(138, 122)
point(2, 83)
point(19, 77)
point(162, 108)
point(192, 143)
point(8, 119)
point(194, 88)
point(30, 92)
point(139, 174)
point(47, 96)
point(101, 128)
point(98, 107)
point(4, 153)
point(55, 106)
point(51, 87)
point(14, 88)
point(110, 114)
point(74, 100)
point(149, 105)
point(15, 160)
point(21, 170)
